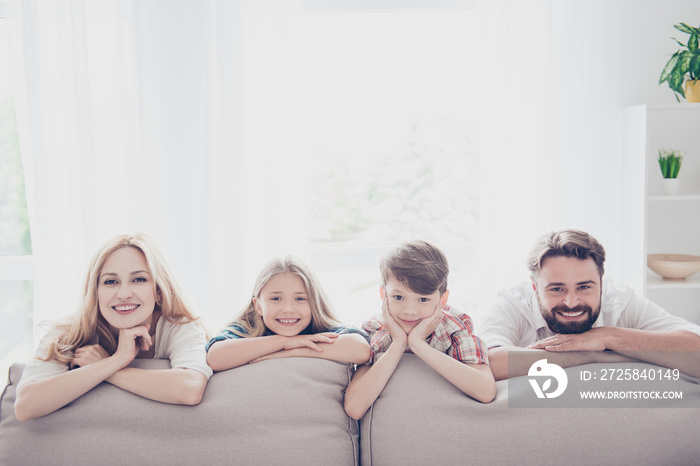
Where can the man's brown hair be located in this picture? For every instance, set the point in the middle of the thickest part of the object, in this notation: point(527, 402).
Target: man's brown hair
point(566, 243)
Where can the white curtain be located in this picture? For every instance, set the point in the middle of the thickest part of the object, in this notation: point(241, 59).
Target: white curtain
point(553, 130)
point(180, 118)
point(130, 117)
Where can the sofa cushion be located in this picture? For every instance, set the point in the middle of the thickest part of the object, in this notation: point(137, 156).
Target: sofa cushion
point(421, 418)
point(279, 411)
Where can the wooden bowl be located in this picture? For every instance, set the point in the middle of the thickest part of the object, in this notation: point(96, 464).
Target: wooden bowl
point(674, 265)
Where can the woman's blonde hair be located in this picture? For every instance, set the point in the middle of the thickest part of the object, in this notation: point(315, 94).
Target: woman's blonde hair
point(88, 323)
point(323, 317)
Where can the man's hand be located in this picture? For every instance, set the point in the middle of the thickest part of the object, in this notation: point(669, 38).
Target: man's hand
point(592, 340)
point(425, 327)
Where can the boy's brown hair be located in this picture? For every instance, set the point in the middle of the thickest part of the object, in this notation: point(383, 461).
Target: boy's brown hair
point(418, 265)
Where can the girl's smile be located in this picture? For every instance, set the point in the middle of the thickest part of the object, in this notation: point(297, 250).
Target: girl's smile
point(284, 305)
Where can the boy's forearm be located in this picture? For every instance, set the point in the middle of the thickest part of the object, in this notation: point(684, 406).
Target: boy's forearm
point(475, 380)
point(368, 384)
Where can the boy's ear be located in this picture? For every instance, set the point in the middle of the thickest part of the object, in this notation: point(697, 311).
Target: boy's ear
point(443, 298)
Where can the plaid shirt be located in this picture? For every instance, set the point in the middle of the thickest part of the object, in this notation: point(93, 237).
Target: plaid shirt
point(452, 336)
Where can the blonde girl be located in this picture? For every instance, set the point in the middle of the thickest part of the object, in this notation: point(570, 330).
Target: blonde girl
point(131, 308)
point(288, 315)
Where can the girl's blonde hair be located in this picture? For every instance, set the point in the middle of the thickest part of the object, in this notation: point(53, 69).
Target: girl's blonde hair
point(88, 323)
point(323, 317)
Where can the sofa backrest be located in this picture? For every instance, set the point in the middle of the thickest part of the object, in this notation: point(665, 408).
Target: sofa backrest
point(280, 411)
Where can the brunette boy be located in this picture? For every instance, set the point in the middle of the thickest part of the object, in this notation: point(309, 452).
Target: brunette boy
point(416, 318)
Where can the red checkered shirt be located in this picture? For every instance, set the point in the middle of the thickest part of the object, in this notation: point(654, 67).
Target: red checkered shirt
point(452, 336)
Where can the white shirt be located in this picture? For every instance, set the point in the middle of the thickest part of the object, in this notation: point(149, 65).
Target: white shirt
point(183, 344)
point(515, 319)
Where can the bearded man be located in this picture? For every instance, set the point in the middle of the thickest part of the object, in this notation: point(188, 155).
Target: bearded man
point(568, 314)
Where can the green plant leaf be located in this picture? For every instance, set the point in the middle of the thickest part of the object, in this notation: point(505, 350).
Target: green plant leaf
point(675, 82)
point(684, 62)
point(672, 167)
point(679, 160)
point(679, 42)
point(693, 42)
point(684, 28)
point(694, 70)
point(666, 73)
point(694, 29)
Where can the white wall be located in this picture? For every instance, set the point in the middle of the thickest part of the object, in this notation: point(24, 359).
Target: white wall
point(610, 60)
point(645, 28)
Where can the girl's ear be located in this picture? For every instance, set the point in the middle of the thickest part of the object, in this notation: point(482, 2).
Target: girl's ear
point(256, 304)
point(382, 292)
point(443, 298)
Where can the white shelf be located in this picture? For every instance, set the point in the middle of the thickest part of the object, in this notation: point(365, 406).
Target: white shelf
point(657, 282)
point(674, 197)
point(657, 222)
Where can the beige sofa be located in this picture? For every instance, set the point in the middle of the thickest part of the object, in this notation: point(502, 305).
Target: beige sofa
point(289, 411)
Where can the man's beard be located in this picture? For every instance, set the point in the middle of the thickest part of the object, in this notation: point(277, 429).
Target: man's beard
point(557, 326)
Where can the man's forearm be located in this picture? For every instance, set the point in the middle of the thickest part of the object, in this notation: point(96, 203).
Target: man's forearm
point(504, 366)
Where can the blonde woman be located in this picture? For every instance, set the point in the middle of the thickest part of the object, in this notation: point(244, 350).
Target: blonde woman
point(288, 315)
point(131, 308)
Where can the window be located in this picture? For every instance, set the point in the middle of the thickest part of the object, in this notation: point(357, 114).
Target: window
point(391, 98)
point(15, 242)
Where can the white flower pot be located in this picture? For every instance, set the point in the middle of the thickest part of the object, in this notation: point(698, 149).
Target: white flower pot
point(670, 185)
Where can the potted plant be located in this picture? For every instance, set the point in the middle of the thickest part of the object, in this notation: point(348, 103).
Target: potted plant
point(684, 66)
point(670, 164)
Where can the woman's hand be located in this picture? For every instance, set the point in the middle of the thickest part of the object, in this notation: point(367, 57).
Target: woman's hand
point(87, 355)
point(309, 341)
point(131, 341)
point(398, 334)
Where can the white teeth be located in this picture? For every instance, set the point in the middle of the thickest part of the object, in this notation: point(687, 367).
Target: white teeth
point(572, 314)
point(125, 308)
point(288, 321)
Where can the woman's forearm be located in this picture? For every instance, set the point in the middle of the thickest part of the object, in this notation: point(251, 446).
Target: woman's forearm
point(175, 386)
point(41, 397)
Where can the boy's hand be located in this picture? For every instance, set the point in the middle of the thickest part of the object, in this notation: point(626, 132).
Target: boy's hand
point(398, 335)
point(425, 327)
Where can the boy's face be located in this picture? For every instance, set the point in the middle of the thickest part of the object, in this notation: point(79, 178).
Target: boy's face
point(409, 308)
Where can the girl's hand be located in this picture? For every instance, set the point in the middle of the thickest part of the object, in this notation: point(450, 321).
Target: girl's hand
point(309, 341)
point(131, 341)
point(426, 326)
point(87, 355)
point(398, 334)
